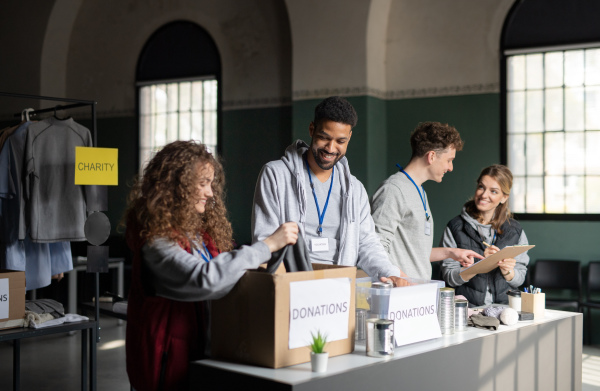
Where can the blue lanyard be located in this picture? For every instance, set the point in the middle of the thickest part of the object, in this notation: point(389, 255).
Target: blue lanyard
point(417, 187)
point(204, 256)
point(321, 215)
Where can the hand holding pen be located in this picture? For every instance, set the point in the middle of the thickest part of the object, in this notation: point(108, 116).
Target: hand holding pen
point(490, 249)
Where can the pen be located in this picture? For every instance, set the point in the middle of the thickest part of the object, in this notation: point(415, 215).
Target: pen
point(486, 244)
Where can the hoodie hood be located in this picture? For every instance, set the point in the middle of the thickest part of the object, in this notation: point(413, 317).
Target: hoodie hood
point(484, 230)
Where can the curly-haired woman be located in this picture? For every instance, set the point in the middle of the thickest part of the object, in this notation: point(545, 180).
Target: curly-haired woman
point(486, 219)
point(181, 239)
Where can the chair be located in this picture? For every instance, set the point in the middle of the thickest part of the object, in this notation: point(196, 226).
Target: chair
point(559, 275)
point(593, 287)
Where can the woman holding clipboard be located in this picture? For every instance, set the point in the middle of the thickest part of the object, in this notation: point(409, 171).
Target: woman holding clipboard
point(486, 226)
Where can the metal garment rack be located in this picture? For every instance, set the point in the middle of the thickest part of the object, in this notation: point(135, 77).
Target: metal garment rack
point(94, 337)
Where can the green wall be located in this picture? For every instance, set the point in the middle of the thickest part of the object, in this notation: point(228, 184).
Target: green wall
point(251, 138)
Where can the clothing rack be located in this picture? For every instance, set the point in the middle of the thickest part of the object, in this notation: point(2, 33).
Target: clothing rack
point(76, 103)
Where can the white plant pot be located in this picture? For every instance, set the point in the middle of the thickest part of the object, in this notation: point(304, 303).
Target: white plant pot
point(318, 361)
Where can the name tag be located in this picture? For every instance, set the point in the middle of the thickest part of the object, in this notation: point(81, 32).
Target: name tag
point(319, 245)
point(427, 228)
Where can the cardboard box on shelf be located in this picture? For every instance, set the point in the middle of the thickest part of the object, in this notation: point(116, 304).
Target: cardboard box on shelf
point(12, 298)
point(251, 324)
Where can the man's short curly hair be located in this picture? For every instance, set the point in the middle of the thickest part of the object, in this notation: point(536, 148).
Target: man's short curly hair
point(335, 109)
point(434, 136)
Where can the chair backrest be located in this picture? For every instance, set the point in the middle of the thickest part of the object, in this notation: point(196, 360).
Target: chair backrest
point(557, 274)
point(593, 281)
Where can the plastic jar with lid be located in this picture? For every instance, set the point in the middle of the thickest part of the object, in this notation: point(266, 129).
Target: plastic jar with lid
point(514, 300)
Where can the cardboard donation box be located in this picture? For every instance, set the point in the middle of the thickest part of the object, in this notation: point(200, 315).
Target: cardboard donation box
point(12, 298)
point(267, 319)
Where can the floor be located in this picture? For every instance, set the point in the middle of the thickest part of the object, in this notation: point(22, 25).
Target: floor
point(53, 362)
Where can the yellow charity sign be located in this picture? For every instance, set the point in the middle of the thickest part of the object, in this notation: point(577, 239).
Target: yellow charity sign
point(96, 166)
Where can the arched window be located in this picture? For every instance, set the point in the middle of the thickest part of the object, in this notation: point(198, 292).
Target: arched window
point(551, 108)
point(178, 78)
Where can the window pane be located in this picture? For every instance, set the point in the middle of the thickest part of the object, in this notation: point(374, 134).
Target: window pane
point(592, 194)
point(574, 153)
point(210, 95)
point(517, 195)
point(172, 91)
point(574, 68)
point(553, 67)
point(555, 194)
point(172, 127)
point(554, 154)
point(185, 127)
point(516, 154)
point(160, 95)
point(592, 67)
point(535, 71)
point(146, 136)
point(516, 73)
point(145, 100)
point(535, 195)
point(160, 135)
point(575, 202)
point(197, 127)
point(554, 109)
point(535, 111)
point(185, 91)
point(197, 96)
point(516, 112)
point(574, 108)
point(533, 152)
point(592, 108)
point(592, 154)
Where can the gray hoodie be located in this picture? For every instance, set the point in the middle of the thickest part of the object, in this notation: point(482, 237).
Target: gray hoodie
point(280, 196)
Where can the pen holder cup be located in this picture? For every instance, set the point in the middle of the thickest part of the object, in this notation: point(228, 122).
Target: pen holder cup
point(534, 303)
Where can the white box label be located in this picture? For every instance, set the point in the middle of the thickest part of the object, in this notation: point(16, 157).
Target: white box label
point(4, 298)
point(414, 312)
point(318, 306)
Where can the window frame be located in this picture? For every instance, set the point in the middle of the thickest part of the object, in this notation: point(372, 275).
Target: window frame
point(504, 125)
point(218, 111)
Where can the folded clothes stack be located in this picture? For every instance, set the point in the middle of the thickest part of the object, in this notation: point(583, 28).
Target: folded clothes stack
point(47, 312)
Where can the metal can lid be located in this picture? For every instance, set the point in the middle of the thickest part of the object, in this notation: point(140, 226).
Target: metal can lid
point(447, 291)
point(383, 324)
point(382, 285)
point(461, 303)
point(514, 293)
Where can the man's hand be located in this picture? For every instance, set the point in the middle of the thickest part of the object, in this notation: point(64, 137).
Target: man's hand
point(464, 257)
point(396, 281)
point(287, 233)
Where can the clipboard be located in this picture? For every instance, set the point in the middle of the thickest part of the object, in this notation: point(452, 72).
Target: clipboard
point(491, 262)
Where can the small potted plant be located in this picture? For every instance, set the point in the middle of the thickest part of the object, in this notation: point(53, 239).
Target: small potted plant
point(318, 357)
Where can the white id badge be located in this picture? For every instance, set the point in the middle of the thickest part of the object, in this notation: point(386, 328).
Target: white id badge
point(427, 228)
point(319, 244)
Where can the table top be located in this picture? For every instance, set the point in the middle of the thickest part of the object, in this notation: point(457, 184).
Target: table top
point(301, 373)
point(27, 332)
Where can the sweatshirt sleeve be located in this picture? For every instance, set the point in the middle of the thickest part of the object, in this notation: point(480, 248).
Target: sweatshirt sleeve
point(450, 268)
point(178, 275)
point(266, 215)
point(386, 213)
point(521, 265)
point(372, 257)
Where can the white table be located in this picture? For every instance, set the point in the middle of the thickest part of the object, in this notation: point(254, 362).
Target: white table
point(541, 354)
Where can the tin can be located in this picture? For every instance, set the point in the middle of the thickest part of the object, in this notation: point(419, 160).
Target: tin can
point(380, 299)
point(446, 310)
point(461, 314)
point(380, 337)
point(514, 300)
point(361, 324)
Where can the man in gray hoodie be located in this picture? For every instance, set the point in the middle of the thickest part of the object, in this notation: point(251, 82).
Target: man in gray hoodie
point(312, 185)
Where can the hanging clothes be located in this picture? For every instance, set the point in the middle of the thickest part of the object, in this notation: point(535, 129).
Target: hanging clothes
point(39, 260)
point(55, 206)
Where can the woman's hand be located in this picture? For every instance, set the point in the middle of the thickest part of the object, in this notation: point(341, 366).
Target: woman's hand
point(507, 268)
point(490, 250)
point(287, 233)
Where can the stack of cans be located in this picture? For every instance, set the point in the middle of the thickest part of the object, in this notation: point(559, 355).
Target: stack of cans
point(446, 310)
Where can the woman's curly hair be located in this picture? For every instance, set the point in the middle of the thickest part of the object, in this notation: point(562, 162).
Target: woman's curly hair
point(161, 203)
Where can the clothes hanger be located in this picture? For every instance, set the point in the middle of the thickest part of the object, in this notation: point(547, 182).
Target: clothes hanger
point(25, 114)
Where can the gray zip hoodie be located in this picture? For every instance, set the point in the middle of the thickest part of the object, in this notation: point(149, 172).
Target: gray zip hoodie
point(280, 196)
